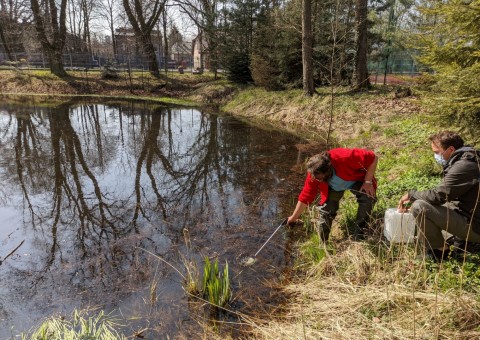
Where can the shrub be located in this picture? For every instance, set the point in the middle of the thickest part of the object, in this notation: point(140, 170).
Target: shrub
point(237, 67)
point(264, 74)
point(110, 72)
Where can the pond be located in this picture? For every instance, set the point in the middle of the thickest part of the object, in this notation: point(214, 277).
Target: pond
point(91, 192)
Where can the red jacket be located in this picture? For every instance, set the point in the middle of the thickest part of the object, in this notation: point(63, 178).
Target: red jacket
point(349, 165)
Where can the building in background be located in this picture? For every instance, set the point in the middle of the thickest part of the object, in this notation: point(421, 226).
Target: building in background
point(181, 53)
point(200, 53)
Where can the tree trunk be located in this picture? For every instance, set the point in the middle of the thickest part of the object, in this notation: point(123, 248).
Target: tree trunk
point(361, 81)
point(307, 44)
point(53, 45)
point(86, 7)
point(149, 52)
point(55, 60)
point(165, 42)
point(4, 42)
point(143, 27)
point(212, 47)
point(210, 29)
point(114, 41)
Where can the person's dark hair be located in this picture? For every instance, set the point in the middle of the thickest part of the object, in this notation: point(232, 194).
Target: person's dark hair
point(320, 164)
point(446, 139)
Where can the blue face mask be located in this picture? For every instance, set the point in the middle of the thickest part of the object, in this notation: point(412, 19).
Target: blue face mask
point(439, 159)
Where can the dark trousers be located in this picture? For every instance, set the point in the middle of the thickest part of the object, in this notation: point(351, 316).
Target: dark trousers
point(432, 219)
point(328, 211)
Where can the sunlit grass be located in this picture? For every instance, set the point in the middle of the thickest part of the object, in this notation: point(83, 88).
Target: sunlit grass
point(372, 289)
point(81, 326)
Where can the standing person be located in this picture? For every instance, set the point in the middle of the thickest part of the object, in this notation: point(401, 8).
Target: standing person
point(329, 174)
point(453, 205)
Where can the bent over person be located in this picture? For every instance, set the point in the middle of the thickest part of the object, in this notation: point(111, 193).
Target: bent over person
point(453, 205)
point(329, 174)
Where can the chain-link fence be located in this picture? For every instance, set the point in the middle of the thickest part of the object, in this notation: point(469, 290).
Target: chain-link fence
point(79, 60)
point(398, 63)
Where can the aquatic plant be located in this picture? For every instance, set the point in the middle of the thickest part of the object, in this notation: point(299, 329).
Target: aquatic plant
point(215, 285)
point(191, 277)
point(102, 326)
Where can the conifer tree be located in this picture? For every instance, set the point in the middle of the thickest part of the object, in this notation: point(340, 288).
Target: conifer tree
point(450, 45)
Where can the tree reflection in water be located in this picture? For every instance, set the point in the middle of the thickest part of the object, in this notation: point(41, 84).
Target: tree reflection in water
point(94, 183)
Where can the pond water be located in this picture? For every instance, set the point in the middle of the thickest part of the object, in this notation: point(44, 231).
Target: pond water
point(89, 192)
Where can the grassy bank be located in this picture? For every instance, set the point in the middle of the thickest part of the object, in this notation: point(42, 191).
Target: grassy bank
point(356, 116)
point(369, 289)
point(172, 88)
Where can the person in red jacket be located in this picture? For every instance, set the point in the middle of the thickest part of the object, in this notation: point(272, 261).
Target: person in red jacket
point(329, 174)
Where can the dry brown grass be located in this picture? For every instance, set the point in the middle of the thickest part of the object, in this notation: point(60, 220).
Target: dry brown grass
point(353, 295)
point(354, 114)
point(139, 83)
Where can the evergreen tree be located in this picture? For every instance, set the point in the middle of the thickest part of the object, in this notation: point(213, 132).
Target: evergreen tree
point(240, 20)
point(450, 44)
point(277, 48)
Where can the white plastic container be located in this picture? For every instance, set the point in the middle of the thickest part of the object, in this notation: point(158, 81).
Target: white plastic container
point(399, 227)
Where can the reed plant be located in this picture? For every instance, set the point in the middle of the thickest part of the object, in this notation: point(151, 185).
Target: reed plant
point(192, 277)
point(216, 287)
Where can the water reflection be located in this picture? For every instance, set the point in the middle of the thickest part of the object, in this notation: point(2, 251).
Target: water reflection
point(88, 187)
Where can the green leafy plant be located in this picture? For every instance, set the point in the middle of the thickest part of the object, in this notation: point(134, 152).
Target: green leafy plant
point(456, 273)
point(312, 249)
point(216, 285)
point(101, 326)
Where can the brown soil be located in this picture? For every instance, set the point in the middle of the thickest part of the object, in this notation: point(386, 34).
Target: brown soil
point(393, 79)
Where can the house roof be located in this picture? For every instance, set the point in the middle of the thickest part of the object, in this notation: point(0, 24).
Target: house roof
point(184, 48)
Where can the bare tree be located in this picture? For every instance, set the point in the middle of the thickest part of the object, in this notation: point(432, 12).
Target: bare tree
point(165, 40)
point(361, 81)
point(51, 30)
point(80, 15)
point(4, 41)
point(307, 47)
point(108, 10)
point(143, 17)
point(87, 7)
point(204, 14)
point(12, 12)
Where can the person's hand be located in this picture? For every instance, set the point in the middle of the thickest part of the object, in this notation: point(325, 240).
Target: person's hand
point(291, 220)
point(368, 188)
point(404, 203)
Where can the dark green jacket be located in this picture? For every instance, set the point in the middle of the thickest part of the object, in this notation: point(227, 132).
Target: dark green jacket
point(460, 186)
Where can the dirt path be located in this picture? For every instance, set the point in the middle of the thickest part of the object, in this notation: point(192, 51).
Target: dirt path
point(392, 79)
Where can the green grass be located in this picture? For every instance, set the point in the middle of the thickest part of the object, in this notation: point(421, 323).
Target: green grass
point(80, 326)
point(406, 162)
point(312, 250)
point(267, 98)
point(455, 274)
point(48, 100)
